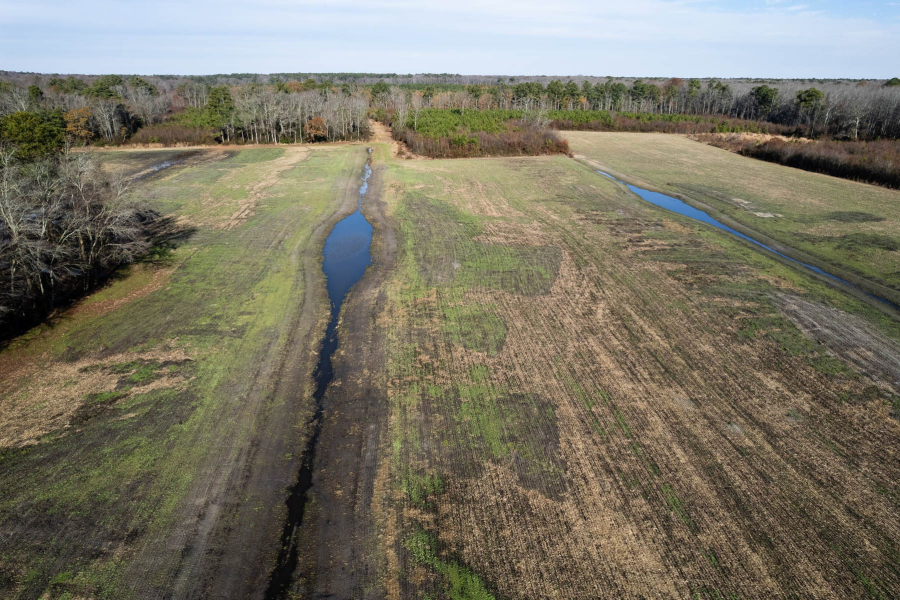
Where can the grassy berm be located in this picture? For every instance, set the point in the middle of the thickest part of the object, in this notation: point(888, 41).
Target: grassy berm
point(588, 397)
point(142, 426)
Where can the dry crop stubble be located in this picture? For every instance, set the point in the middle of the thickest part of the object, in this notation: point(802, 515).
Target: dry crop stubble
point(611, 429)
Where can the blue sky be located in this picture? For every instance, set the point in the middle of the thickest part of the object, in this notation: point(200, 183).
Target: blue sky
point(723, 38)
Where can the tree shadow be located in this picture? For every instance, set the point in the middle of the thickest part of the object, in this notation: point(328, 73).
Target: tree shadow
point(165, 234)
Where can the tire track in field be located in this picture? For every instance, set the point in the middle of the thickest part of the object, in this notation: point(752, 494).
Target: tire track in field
point(694, 463)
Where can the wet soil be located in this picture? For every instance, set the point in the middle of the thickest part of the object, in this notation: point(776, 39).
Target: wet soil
point(232, 539)
point(339, 555)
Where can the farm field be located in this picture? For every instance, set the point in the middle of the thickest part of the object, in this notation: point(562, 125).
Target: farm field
point(158, 423)
point(543, 387)
point(586, 397)
point(848, 228)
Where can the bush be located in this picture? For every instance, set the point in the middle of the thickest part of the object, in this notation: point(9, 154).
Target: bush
point(454, 133)
point(521, 139)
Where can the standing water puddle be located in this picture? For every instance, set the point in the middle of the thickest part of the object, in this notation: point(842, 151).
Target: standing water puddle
point(346, 257)
point(677, 206)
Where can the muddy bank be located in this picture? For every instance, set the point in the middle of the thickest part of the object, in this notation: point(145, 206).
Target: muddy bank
point(339, 539)
point(232, 529)
point(345, 260)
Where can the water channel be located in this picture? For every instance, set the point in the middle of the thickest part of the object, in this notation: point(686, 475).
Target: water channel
point(345, 259)
point(682, 208)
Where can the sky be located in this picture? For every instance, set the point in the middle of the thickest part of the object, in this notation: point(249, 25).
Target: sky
point(649, 38)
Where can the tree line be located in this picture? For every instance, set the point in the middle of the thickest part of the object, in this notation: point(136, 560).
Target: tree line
point(249, 108)
point(858, 112)
point(113, 110)
point(285, 112)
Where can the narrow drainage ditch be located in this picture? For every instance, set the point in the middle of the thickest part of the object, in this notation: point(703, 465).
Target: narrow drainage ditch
point(346, 257)
point(682, 208)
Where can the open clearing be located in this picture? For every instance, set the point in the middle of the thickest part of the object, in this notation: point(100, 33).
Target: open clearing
point(845, 227)
point(158, 423)
point(544, 388)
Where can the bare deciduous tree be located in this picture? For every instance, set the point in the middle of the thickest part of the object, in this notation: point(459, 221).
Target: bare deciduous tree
point(63, 226)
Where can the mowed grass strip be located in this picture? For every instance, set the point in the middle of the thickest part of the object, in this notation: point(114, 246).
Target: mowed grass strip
point(841, 223)
point(614, 405)
point(168, 387)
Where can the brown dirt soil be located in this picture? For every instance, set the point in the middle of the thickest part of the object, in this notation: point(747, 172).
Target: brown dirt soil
point(342, 535)
point(40, 401)
point(381, 134)
point(850, 337)
point(757, 137)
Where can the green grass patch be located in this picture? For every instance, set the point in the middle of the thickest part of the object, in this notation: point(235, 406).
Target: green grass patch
point(852, 216)
point(105, 397)
point(255, 155)
point(774, 326)
point(460, 582)
point(677, 506)
point(474, 328)
point(420, 488)
point(861, 241)
point(440, 242)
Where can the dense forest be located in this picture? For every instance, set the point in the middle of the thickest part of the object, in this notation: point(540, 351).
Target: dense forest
point(115, 110)
point(307, 107)
point(517, 114)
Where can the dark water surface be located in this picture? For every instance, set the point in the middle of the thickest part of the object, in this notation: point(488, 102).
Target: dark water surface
point(345, 259)
point(682, 208)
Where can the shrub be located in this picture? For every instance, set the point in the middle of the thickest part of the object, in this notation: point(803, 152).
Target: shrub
point(454, 133)
point(519, 140)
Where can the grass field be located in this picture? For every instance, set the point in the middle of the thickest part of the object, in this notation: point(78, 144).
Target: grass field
point(160, 412)
point(841, 224)
point(590, 398)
